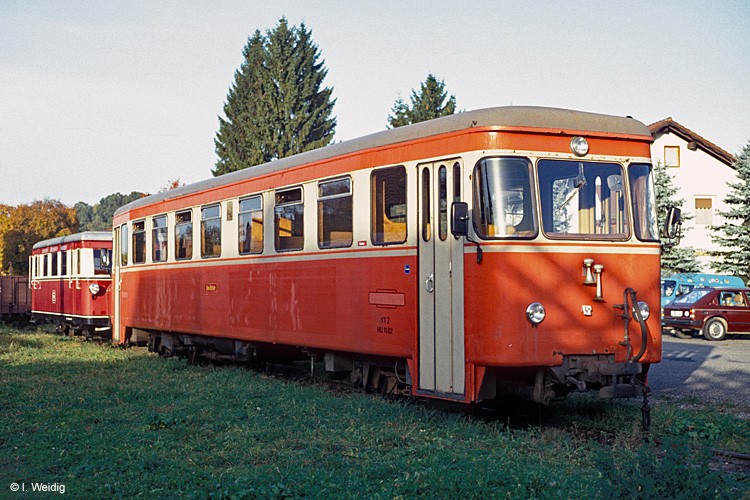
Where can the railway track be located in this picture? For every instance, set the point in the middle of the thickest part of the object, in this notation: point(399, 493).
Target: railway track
point(731, 461)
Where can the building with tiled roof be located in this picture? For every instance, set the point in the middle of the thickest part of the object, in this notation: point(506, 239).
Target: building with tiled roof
point(701, 171)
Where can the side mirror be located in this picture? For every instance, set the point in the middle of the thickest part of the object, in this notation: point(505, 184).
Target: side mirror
point(672, 230)
point(460, 219)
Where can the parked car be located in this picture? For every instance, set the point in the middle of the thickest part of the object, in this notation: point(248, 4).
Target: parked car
point(681, 284)
point(711, 311)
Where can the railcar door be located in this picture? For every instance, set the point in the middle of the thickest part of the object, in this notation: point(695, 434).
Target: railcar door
point(441, 297)
point(115, 263)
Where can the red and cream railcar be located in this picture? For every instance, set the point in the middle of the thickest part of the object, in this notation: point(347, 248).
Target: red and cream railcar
point(70, 282)
point(501, 251)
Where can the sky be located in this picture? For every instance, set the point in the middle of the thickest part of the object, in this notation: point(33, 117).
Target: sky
point(119, 96)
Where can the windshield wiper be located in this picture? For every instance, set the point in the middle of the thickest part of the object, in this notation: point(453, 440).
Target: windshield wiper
point(580, 181)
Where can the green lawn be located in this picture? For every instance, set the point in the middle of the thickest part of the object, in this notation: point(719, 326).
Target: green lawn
point(105, 422)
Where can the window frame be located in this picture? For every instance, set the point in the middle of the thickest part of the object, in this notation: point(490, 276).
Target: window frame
point(373, 205)
point(283, 205)
point(626, 211)
point(322, 199)
point(213, 220)
point(178, 224)
point(155, 229)
point(531, 203)
point(139, 232)
point(241, 214)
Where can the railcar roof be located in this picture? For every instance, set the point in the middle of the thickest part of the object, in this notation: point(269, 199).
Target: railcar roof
point(564, 120)
point(84, 236)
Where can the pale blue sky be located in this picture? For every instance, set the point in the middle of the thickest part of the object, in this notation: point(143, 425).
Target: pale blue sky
point(99, 97)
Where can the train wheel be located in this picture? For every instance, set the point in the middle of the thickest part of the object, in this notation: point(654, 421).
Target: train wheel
point(715, 329)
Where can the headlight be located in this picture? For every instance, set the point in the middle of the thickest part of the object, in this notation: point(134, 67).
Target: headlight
point(93, 288)
point(535, 313)
point(644, 309)
point(579, 146)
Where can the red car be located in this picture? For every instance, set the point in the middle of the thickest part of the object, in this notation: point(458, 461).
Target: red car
point(711, 311)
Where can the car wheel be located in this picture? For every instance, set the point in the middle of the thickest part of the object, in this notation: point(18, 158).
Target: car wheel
point(715, 329)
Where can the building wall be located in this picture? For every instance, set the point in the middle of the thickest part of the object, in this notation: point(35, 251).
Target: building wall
point(701, 181)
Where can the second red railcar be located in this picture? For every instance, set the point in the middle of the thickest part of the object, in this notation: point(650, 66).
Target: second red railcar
point(70, 282)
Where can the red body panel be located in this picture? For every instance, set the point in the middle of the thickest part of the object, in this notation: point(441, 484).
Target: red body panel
point(499, 290)
point(322, 304)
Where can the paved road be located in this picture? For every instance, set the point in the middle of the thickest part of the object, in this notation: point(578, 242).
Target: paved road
point(713, 371)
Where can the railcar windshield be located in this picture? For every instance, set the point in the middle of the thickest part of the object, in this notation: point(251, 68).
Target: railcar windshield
point(644, 202)
point(503, 201)
point(583, 200)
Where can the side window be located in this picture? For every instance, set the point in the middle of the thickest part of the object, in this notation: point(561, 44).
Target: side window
point(53, 271)
point(101, 258)
point(250, 225)
point(159, 238)
point(139, 242)
point(335, 213)
point(63, 263)
point(123, 247)
point(388, 205)
point(211, 231)
point(289, 220)
point(183, 235)
point(45, 265)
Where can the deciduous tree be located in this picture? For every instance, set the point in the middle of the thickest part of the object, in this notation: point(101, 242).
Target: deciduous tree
point(277, 105)
point(99, 217)
point(24, 225)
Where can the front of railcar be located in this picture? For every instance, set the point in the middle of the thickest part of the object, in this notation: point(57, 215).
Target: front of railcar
point(566, 296)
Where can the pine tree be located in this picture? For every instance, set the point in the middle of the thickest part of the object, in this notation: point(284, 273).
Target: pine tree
point(675, 259)
point(277, 105)
point(429, 103)
point(734, 235)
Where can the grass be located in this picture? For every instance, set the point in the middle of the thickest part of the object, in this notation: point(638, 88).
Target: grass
point(110, 422)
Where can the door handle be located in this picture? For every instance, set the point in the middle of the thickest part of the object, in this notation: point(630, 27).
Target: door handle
point(429, 284)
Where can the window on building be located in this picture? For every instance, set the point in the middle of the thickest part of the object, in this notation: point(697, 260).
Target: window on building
point(289, 220)
point(388, 209)
point(672, 156)
point(159, 238)
point(139, 242)
point(211, 231)
point(250, 225)
point(704, 211)
point(335, 213)
point(183, 235)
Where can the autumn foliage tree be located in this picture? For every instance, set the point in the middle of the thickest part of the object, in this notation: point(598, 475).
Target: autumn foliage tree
point(24, 225)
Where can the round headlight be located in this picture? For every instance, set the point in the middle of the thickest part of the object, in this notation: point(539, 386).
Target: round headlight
point(93, 288)
point(535, 313)
point(644, 309)
point(579, 146)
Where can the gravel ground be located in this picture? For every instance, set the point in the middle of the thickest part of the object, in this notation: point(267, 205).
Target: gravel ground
point(712, 371)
